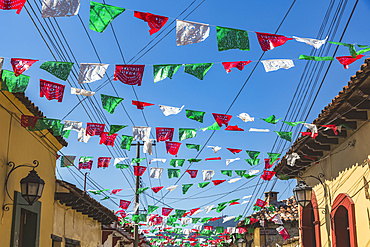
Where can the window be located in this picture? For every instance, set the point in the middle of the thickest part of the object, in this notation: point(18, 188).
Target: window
point(343, 222)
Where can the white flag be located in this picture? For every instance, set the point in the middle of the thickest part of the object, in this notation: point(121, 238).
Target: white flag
point(141, 133)
point(208, 174)
point(208, 208)
point(291, 158)
point(197, 227)
point(215, 148)
point(233, 180)
point(198, 211)
point(228, 218)
point(136, 206)
point(275, 64)
point(72, 125)
point(186, 221)
point(160, 160)
point(245, 117)
point(313, 42)
point(245, 197)
point(82, 92)
point(156, 172)
point(119, 160)
point(186, 231)
point(277, 220)
point(82, 137)
point(228, 161)
point(1, 63)
point(262, 223)
point(90, 72)
point(244, 202)
point(258, 130)
point(170, 110)
point(171, 188)
point(188, 32)
point(231, 230)
point(148, 147)
point(253, 172)
point(311, 127)
point(59, 8)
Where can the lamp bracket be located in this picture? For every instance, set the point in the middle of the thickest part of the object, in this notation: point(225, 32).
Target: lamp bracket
point(13, 167)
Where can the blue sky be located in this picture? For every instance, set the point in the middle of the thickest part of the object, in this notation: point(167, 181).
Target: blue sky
point(265, 93)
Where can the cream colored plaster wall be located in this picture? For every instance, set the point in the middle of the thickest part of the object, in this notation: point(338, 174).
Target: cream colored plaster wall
point(344, 169)
point(69, 223)
point(20, 146)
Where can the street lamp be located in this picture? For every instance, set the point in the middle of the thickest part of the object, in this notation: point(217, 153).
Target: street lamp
point(302, 193)
point(241, 242)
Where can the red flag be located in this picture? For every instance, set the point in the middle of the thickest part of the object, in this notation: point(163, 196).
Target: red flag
point(242, 230)
point(234, 128)
point(307, 133)
point(155, 22)
point(164, 134)
point(185, 214)
point(20, 65)
point(192, 211)
point(222, 119)
point(124, 204)
point(139, 170)
point(94, 129)
point(283, 232)
point(140, 105)
point(217, 182)
point(129, 74)
point(253, 220)
point(208, 228)
point(331, 126)
point(260, 203)
point(267, 175)
point(51, 90)
point(269, 41)
point(234, 203)
point(12, 4)
point(156, 189)
point(172, 147)
point(166, 211)
point(119, 211)
point(347, 60)
point(58, 156)
point(103, 162)
point(239, 65)
point(267, 163)
point(28, 121)
point(107, 139)
point(193, 173)
point(85, 165)
point(234, 150)
point(216, 158)
point(214, 219)
point(115, 191)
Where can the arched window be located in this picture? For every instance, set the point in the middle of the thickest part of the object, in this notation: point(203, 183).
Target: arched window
point(343, 222)
point(310, 224)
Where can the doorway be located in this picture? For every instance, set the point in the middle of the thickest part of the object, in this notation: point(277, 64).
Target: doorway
point(27, 228)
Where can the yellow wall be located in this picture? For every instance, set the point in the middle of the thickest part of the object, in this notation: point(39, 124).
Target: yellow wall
point(345, 169)
point(69, 223)
point(22, 147)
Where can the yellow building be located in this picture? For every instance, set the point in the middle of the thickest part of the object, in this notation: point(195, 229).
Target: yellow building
point(336, 164)
point(20, 222)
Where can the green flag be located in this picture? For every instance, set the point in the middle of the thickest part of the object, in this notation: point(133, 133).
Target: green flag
point(163, 71)
point(110, 102)
point(235, 200)
point(204, 220)
point(115, 128)
point(137, 160)
point(12, 83)
point(285, 135)
point(126, 142)
point(122, 166)
point(193, 160)
point(52, 124)
point(273, 157)
point(179, 213)
point(351, 47)
point(221, 206)
point(247, 176)
point(194, 220)
point(195, 115)
point(141, 190)
point(253, 154)
point(305, 57)
point(238, 218)
point(227, 172)
point(105, 198)
point(177, 230)
point(253, 162)
point(173, 173)
point(151, 208)
point(193, 146)
point(271, 208)
point(139, 217)
point(171, 219)
point(198, 70)
point(219, 229)
point(202, 185)
point(293, 123)
point(177, 162)
point(284, 177)
point(185, 188)
point(247, 221)
point(101, 15)
point(97, 192)
point(187, 133)
point(240, 172)
point(250, 230)
point(256, 208)
point(58, 69)
point(363, 50)
point(214, 126)
point(271, 119)
point(229, 38)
